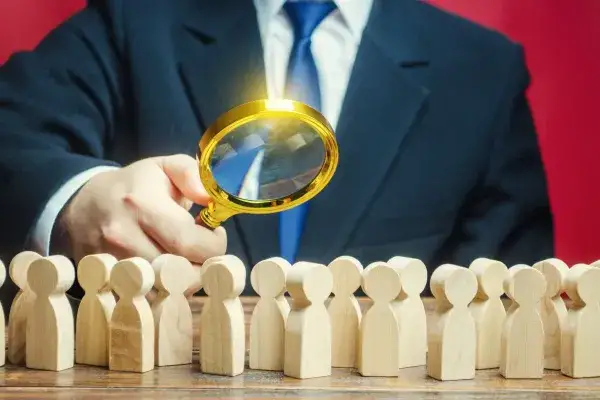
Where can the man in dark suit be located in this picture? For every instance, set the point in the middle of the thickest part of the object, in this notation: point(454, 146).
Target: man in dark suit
point(439, 158)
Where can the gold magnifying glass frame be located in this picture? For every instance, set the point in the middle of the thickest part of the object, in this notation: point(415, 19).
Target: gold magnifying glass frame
point(224, 205)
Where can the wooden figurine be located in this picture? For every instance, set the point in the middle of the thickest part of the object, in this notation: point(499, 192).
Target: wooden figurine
point(199, 280)
point(131, 345)
point(223, 333)
point(553, 309)
point(452, 338)
point(409, 307)
point(50, 324)
point(171, 310)
point(522, 341)
point(580, 350)
point(308, 328)
point(344, 311)
point(95, 310)
point(267, 325)
point(2, 316)
point(20, 308)
point(206, 303)
point(488, 310)
point(379, 328)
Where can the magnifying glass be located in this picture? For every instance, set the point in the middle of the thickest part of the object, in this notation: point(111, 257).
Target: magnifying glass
point(263, 157)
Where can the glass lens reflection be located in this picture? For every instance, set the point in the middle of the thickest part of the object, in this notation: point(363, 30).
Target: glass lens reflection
point(267, 159)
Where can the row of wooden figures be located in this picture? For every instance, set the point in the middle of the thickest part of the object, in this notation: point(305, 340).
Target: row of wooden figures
point(471, 329)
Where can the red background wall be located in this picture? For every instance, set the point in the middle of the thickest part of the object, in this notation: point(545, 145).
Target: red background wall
point(562, 42)
point(24, 22)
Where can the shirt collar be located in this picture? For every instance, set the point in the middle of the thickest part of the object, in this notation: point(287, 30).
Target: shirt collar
point(354, 12)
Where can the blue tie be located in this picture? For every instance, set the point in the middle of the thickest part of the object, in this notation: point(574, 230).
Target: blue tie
point(302, 85)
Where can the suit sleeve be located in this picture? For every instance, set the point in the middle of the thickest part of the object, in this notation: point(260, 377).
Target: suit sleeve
point(509, 217)
point(40, 240)
point(58, 107)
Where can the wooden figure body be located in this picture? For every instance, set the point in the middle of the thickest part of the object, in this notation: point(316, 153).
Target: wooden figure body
point(410, 311)
point(222, 337)
point(308, 328)
point(206, 303)
point(452, 338)
point(50, 325)
point(522, 343)
point(553, 309)
point(379, 328)
point(344, 311)
point(580, 350)
point(171, 310)
point(131, 345)
point(95, 309)
point(2, 316)
point(267, 326)
point(20, 308)
point(488, 310)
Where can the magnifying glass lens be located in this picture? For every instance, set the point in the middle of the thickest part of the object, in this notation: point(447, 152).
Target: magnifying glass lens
point(268, 158)
point(263, 157)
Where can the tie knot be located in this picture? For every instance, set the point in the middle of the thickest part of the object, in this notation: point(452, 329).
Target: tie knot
point(306, 15)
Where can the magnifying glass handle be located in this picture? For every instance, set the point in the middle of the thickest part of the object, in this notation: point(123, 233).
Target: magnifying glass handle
point(200, 221)
point(206, 218)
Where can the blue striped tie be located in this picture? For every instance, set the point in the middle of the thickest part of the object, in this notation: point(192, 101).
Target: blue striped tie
point(302, 85)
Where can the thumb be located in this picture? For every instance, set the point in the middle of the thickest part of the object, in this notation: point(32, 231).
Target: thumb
point(182, 170)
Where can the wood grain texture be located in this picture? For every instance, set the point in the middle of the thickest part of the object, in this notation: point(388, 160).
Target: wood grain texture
point(187, 382)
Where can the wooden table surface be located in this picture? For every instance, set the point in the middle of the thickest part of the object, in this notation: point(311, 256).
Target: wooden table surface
point(187, 382)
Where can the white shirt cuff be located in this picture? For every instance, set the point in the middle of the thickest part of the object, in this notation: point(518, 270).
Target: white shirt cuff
point(43, 228)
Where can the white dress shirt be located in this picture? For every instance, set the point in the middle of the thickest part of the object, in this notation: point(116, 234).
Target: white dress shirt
point(334, 45)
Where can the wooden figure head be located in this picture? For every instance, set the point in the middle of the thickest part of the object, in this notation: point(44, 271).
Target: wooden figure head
point(453, 284)
point(19, 266)
point(50, 275)
point(490, 276)
point(381, 282)
point(211, 261)
point(347, 275)
point(309, 283)
point(413, 274)
point(224, 278)
point(525, 285)
point(173, 274)
point(93, 272)
point(2, 273)
point(268, 277)
point(582, 283)
point(555, 271)
point(223, 258)
point(132, 277)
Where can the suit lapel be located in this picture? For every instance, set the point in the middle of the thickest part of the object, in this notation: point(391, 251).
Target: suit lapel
point(221, 66)
point(382, 102)
point(221, 60)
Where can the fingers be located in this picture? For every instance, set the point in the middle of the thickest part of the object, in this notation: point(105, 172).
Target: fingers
point(186, 203)
point(196, 283)
point(151, 295)
point(182, 170)
point(123, 238)
point(175, 230)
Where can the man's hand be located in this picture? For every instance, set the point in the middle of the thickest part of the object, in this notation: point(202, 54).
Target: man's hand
point(142, 211)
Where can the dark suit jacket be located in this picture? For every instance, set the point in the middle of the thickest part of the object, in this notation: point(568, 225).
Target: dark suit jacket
point(439, 156)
